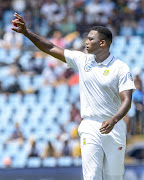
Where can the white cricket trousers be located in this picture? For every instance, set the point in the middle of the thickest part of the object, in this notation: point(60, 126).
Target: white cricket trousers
point(102, 154)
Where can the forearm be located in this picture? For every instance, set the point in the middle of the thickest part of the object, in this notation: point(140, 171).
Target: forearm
point(43, 44)
point(124, 108)
point(46, 46)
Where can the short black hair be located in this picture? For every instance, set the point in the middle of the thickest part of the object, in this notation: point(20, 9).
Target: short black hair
point(105, 33)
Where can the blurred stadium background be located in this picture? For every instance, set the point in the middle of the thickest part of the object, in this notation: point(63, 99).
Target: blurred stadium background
point(39, 96)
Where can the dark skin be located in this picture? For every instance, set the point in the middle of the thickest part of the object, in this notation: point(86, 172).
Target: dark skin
point(97, 46)
point(94, 45)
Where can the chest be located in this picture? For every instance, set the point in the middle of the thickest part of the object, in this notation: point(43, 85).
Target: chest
point(102, 76)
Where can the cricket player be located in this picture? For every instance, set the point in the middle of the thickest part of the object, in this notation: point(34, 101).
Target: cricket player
point(106, 86)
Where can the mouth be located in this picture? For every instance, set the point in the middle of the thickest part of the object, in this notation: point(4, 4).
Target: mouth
point(86, 47)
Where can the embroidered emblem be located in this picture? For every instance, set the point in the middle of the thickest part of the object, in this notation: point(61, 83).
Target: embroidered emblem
point(106, 72)
point(130, 76)
point(84, 141)
point(88, 67)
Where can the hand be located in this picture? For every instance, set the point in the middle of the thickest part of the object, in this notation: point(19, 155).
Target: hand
point(21, 24)
point(107, 126)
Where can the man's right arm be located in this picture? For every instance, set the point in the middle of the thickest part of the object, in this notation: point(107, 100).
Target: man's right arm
point(46, 46)
point(43, 44)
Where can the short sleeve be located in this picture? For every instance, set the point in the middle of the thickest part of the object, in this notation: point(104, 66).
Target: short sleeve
point(73, 58)
point(126, 81)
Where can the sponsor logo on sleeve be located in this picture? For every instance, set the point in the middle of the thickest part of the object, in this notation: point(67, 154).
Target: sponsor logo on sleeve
point(88, 67)
point(130, 76)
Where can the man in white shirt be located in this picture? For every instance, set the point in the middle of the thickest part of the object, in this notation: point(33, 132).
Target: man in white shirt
point(106, 87)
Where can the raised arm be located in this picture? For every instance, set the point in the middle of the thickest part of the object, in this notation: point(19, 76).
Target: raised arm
point(43, 44)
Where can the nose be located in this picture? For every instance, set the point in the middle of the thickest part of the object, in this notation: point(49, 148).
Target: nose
point(86, 42)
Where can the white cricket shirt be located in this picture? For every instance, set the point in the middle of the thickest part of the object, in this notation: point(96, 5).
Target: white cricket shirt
point(100, 83)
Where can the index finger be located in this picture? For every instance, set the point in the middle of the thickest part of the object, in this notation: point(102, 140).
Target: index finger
point(18, 16)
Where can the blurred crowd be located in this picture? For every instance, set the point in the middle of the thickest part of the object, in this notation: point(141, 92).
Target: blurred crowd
point(70, 19)
point(66, 144)
point(123, 17)
point(135, 117)
point(65, 23)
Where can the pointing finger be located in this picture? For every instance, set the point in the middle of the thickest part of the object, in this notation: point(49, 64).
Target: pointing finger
point(18, 16)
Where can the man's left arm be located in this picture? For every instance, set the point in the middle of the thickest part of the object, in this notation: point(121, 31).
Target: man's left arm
point(126, 97)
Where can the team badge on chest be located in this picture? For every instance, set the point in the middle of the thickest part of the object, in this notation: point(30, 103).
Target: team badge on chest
point(88, 67)
point(106, 72)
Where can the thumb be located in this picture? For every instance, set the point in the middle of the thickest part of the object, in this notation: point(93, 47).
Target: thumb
point(14, 29)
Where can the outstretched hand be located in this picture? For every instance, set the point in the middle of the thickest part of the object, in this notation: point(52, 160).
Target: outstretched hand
point(107, 126)
point(20, 24)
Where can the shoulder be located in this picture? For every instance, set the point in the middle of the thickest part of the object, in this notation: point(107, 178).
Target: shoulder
point(120, 64)
point(123, 69)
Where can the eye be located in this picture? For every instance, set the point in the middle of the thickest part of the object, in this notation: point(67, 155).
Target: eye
point(90, 39)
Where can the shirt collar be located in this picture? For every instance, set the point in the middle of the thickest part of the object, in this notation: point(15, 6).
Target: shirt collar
point(107, 61)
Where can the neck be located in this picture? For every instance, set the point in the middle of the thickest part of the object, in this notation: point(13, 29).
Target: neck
point(101, 55)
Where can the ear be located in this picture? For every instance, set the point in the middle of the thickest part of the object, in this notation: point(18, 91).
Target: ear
point(102, 43)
